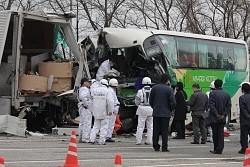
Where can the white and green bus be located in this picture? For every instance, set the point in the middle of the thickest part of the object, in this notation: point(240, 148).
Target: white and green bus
point(190, 58)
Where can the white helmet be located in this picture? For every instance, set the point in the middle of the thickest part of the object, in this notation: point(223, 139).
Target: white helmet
point(146, 81)
point(93, 81)
point(212, 85)
point(104, 82)
point(113, 82)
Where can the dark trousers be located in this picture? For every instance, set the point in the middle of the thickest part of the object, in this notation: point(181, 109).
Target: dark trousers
point(218, 136)
point(160, 125)
point(180, 128)
point(199, 126)
point(244, 132)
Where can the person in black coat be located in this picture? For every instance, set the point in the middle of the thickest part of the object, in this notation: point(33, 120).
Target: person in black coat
point(220, 106)
point(163, 103)
point(180, 111)
point(244, 102)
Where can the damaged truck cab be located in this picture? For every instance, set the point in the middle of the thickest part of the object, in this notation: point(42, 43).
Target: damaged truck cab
point(28, 45)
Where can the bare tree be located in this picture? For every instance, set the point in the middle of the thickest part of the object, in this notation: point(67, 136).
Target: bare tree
point(6, 4)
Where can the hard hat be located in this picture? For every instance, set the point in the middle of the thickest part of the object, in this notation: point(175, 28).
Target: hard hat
point(104, 82)
point(93, 81)
point(212, 86)
point(113, 82)
point(146, 81)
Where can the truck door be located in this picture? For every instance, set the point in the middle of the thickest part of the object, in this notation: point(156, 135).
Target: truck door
point(4, 26)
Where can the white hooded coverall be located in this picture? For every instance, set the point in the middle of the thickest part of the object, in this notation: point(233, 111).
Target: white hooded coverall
point(103, 105)
point(115, 112)
point(85, 114)
point(209, 129)
point(144, 112)
point(103, 70)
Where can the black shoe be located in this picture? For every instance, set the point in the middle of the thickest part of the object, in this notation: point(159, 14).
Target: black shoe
point(194, 142)
point(165, 150)
point(241, 152)
point(146, 143)
point(214, 152)
point(110, 140)
point(203, 142)
point(157, 148)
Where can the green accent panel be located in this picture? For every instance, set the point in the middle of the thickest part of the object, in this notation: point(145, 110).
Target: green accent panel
point(231, 80)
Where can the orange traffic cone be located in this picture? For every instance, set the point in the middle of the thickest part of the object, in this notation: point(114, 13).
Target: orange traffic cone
point(71, 158)
point(1, 162)
point(118, 160)
point(247, 158)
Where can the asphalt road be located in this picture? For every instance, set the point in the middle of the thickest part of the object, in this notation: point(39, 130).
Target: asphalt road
point(51, 151)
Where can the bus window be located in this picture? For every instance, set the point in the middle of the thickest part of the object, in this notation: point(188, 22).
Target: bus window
point(225, 56)
point(206, 53)
point(186, 49)
point(169, 46)
point(240, 57)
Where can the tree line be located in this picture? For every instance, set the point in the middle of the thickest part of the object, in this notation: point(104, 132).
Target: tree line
point(227, 18)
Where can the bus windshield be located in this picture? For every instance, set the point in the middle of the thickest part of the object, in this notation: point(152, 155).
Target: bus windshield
point(183, 52)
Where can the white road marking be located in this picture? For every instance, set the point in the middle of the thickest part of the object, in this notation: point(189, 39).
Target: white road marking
point(129, 159)
point(194, 164)
point(91, 148)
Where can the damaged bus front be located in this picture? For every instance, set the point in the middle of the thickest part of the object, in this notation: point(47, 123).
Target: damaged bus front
point(137, 53)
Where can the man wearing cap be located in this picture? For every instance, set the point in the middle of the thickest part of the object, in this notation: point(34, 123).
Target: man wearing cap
point(84, 98)
point(198, 103)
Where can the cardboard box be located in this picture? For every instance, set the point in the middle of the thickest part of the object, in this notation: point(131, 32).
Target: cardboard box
point(35, 60)
point(12, 125)
point(58, 70)
point(61, 84)
point(33, 83)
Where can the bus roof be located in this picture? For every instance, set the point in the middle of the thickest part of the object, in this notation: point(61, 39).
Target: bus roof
point(122, 38)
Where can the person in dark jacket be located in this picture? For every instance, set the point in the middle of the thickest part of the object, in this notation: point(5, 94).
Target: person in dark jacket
point(198, 103)
point(180, 111)
point(220, 106)
point(244, 102)
point(163, 103)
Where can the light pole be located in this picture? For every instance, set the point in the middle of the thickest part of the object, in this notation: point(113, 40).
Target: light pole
point(77, 22)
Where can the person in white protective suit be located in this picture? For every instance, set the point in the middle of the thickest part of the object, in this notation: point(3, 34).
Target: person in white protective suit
point(144, 112)
point(94, 84)
point(84, 99)
point(104, 68)
point(113, 83)
point(102, 108)
point(209, 129)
